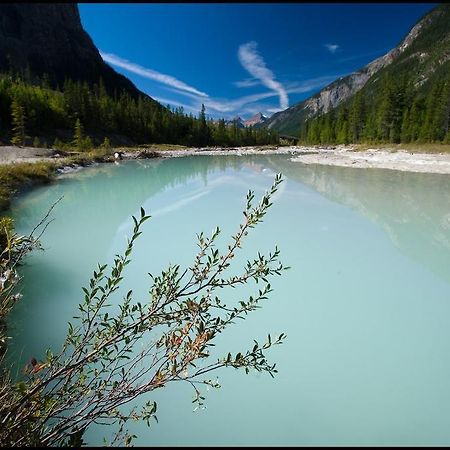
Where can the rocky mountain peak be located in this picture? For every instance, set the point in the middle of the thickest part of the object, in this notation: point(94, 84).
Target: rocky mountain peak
point(345, 87)
point(46, 38)
point(256, 119)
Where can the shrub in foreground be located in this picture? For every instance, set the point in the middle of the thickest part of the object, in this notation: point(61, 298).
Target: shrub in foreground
point(111, 355)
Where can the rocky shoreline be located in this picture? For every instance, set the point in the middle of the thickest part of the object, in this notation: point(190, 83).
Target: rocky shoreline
point(378, 159)
point(342, 155)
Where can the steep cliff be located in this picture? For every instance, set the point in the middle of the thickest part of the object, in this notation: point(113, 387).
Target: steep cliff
point(46, 38)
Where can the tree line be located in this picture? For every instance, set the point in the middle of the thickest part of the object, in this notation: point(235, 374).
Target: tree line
point(398, 111)
point(34, 113)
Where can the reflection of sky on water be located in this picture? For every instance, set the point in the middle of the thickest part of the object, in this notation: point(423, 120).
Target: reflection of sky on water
point(367, 354)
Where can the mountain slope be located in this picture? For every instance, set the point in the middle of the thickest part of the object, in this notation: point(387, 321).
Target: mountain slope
point(417, 226)
point(406, 101)
point(51, 94)
point(236, 121)
point(257, 119)
point(49, 39)
point(423, 49)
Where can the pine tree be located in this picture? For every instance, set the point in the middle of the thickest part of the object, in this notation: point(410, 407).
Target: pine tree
point(440, 123)
point(141, 120)
point(446, 109)
point(204, 135)
point(106, 144)
point(342, 126)
point(356, 117)
point(385, 109)
point(18, 123)
point(87, 143)
point(78, 136)
point(57, 144)
point(405, 135)
point(428, 130)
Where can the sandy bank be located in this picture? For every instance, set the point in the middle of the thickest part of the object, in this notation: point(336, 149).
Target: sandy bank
point(240, 151)
point(343, 156)
point(378, 159)
point(11, 154)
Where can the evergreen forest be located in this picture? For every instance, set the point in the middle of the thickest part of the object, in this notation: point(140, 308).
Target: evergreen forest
point(396, 111)
point(35, 113)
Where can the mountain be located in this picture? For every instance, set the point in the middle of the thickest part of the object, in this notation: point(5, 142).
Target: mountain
point(257, 119)
point(235, 121)
point(424, 49)
point(46, 38)
point(417, 226)
point(56, 90)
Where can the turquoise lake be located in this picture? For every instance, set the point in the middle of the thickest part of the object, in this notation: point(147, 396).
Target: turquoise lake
point(365, 306)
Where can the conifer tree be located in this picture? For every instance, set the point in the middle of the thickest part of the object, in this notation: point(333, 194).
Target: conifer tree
point(141, 120)
point(204, 135)
point(57, 144)
point(356, 118)
point(405, 135)
point(106, 144)
point(18, 123)
point(78, 136)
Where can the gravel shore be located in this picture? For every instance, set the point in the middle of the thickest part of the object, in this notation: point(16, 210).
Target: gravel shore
point(344, 156)
point(11, 154)
point(378, 159)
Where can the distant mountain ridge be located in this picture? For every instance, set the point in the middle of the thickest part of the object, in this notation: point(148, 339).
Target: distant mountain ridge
point(235, 121)
point(258, 118)
point(46, 38)
point(289, 120)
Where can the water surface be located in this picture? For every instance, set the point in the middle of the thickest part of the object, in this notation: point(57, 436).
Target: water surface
point(366, 305)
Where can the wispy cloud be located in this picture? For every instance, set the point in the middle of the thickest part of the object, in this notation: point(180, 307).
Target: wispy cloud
point(333, 48)
point(299, 87)
point(255, 65)
point(179, 87)
point(168, 80)
point(224, 105)
point(248, 104)
point(248, 82)
point(216, 106)
point(172, 103)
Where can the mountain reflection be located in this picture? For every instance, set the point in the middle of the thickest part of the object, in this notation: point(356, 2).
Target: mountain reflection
point(412, 208)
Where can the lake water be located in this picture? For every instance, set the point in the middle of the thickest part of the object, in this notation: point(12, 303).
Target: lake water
point(366, 305)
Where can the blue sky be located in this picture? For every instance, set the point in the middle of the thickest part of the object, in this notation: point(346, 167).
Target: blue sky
point(239, 59)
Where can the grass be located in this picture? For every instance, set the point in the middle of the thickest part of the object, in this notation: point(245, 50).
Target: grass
point(84, 158)
point(14, 177)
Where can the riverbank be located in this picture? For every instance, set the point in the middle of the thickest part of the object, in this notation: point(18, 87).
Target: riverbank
point(433, 158)
point(24, 166)
point(393, 158)
point(375, 158)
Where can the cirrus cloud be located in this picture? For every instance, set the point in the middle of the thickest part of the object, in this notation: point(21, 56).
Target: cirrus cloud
point(168, 80)
point(249, 104)
point(333, 48)
point(255, 65)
